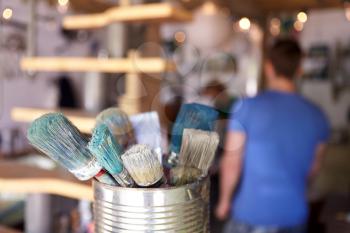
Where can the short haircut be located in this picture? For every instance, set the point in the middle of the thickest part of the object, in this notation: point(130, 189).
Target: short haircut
point(285, 56)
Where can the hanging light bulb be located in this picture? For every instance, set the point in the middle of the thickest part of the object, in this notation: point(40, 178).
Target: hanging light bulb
point(298, 26)
point(7, 13)
point(302, 17)
point(244, 24)
point(209, 8)
point(62, 6)
point(63, 2)
point(180, 37)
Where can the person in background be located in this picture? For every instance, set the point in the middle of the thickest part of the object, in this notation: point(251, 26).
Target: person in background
point(275, 142)
point(215, 94)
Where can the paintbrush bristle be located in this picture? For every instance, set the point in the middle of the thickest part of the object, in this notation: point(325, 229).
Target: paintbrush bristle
point(119, 124)
point(181, 175)
point(107, 151)
point(143, 165)
point(57, 137)
point(198, 149)
point(193, 116)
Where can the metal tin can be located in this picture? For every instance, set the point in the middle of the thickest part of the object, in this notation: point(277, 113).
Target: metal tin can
point(175, 209)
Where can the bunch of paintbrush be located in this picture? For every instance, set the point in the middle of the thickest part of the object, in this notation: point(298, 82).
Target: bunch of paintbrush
point(198, 149)
point(143, 165)
point(57, 137)
point(108, 151)
point(193, 116)
point(119, 124)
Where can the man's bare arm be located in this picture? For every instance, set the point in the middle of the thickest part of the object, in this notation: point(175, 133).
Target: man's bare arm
point(230, 170)
point(317, 164)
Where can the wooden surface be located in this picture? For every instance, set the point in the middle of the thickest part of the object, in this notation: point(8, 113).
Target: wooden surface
point(84, 121)
point(84, 6)
point(262, 6)
point(155, 12)
point(19, 178)
point(105, 65)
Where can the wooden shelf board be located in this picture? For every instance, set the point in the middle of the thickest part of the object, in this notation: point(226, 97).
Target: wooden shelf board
point(105, 65)
point(18, 178)
point(84, 121)
point(154, 12)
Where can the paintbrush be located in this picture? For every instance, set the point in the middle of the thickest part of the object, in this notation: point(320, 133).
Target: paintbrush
point(198, 149)
point(182, 175)
point(193, 116)
point(107, 151)
point(143, 166)
point(147, 131)
point(57, 137)
point(119, 124)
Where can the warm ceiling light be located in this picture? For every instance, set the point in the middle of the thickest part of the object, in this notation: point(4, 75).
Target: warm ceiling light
point(347, 14)
point(209, 8)
point(63, 2)
point(302, 17)
point(347, 10)
point(7, 13)
point(180, 37)
point(298, 26)
point(244, 23)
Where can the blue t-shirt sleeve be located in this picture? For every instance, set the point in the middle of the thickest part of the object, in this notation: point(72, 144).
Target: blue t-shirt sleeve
point(238, 116)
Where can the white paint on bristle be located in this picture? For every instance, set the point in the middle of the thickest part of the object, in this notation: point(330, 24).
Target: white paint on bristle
point(143, 165)
point(198, 149)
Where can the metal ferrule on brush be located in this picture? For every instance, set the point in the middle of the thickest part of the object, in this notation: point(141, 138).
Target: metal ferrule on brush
point(124, 179)
point(104, 177)
point(173, 159)
point(88, 171)
point(93, 169)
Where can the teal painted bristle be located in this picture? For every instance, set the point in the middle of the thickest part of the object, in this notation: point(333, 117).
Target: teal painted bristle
point(192, 116)
point(57, 137)
point(106, 149)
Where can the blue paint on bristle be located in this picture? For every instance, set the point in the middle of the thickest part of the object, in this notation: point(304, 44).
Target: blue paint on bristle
point(57, 137)
point(193, 116)
point(106, 149)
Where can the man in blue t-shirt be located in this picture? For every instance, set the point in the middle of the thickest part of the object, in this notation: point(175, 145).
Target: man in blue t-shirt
point(274, 144)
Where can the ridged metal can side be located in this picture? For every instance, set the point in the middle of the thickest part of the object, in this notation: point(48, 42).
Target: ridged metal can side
point(183, 209)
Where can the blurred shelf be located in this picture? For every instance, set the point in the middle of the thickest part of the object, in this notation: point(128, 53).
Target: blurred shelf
point(155, 12)
point(84, 121)
point(20, 178)
point(105, 65)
